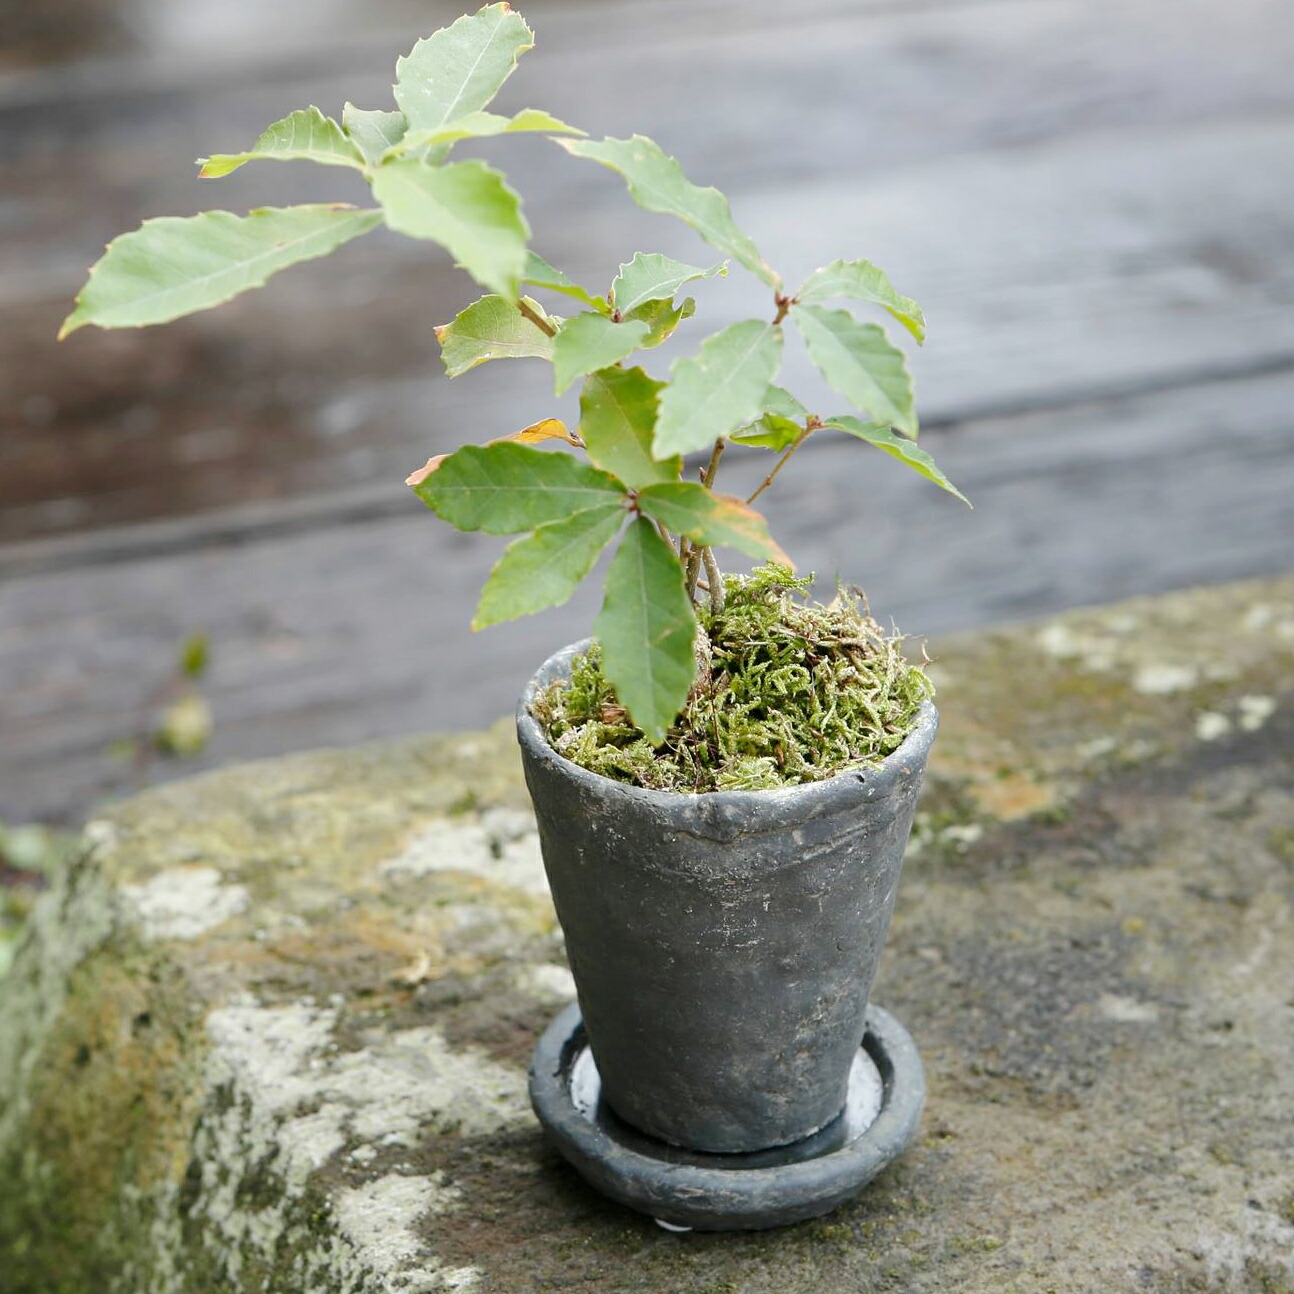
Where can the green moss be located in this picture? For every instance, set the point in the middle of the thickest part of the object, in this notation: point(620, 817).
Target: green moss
point(787, 692)
point(112, 1104)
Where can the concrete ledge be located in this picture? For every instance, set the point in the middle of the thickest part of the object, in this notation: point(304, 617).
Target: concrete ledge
point(270, 1032)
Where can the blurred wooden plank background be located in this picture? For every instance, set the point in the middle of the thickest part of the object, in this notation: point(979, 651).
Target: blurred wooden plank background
point(1093, 199)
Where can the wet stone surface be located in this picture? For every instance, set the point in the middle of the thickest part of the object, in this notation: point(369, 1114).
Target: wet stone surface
point(270, 1033)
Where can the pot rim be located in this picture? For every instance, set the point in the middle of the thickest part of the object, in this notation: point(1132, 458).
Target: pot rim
point(840, 791)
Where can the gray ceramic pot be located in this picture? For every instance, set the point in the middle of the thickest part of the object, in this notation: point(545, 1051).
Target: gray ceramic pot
point(723, 945)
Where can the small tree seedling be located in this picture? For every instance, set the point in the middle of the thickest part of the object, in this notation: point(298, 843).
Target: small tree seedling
point(624, 483)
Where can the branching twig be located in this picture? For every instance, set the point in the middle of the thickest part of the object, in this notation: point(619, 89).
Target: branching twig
point(811, 426)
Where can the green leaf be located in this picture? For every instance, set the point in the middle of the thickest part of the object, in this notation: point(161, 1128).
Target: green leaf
point(647, 628)
point(781, 424)
point(460, 68)
point(863, 281)
point(492, 328)
point(468, 209)
point(860, 362)
point(770, 432)
point(661, 318)
point(305, 136)
point(690, 509)
point(883, 437)
point(653, 277)
point(373, 130)
point(656, 182)
point(617, 417)
point(590, 342)
point(504, 488)
point(540, 274)
point(481, 125)
point(543, 569)
point(718, 390)
point(780, 402)
point(175, 265)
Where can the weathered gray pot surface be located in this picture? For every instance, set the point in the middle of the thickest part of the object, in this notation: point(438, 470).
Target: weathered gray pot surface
point(723, 945)
point(768, 1188)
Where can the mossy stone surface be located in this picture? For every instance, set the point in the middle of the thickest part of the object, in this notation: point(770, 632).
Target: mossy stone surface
point(270, 1031)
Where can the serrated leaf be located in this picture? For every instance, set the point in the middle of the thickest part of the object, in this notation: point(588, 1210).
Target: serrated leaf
point(373, 130)
point(176, 265)
point(781, 424)
point(661, 318)
point(883, 437)
point(468, 208)
point(617, 418)
point(718, 390)
point(657, 183)
point(540, 274)
point(302, 136)
point(543, 570)
point(646, 628)
point(653, 277)
point(482, 125)
point(590, 342)
point(860, 362)
point(690, 509)
point(862, 281)
point(536, 433)
point(503, 488)
point(460, 68)
point(492, 328)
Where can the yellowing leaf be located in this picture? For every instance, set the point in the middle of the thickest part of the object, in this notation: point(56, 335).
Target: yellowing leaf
point(536, 433)
point(690, 509)
point(544, 429)
point(504, 488)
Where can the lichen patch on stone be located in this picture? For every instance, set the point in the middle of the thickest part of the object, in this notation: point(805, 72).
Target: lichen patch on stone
point(378, 1219)
point(185, 902)
point(500, 845)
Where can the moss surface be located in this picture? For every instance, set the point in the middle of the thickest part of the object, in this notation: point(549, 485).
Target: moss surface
point(787, 692)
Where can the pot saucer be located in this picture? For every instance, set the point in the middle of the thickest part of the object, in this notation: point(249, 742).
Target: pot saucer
point(685, 1189)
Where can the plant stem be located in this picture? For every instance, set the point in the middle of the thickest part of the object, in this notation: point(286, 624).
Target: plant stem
point(537, 319)
point(781, 462)
point(707, 476)
point(714, 580)
point(693, 570)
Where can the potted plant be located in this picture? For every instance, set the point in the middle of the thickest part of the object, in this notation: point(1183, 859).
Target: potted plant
point(725, 778)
